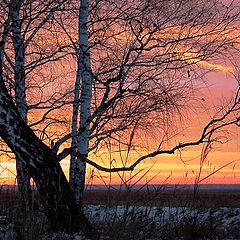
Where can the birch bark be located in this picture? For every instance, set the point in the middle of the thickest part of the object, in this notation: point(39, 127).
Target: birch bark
point(23, 178)
point(84, 72)
point(75, 117)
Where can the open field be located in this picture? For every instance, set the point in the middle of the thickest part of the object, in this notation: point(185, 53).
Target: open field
point(173, 198)
point(162, 213)
point(205, 196)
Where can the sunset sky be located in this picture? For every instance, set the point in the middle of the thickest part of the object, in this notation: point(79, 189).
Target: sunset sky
point(182, 167)
point(222, 164)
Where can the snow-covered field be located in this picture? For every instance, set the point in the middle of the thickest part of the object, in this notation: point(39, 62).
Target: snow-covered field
point(163, 222)
point(161, 215)
point(145, 222)
point(224, 222)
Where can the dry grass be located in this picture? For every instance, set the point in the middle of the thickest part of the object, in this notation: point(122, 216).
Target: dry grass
point(131, 225)
point(165, 198)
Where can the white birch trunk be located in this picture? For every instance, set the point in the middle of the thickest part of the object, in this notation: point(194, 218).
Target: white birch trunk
point(75, 115)
point(84, 70)
point(23, 178)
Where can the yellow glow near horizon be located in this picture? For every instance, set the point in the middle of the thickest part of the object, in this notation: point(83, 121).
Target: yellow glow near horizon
point(164, 169)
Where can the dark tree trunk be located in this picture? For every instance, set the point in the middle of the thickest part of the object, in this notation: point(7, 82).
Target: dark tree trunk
point(24, 186)
point(58, 198)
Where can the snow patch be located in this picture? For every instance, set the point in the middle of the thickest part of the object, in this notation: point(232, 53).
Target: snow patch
point(7, 231)
point(63, 236)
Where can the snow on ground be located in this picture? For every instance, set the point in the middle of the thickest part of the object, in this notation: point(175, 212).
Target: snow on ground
point(225, 220)
point(224, 216)
point(6, 229)
point(62, 236)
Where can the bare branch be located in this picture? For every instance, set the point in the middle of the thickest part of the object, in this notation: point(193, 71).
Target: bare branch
point(207, 132)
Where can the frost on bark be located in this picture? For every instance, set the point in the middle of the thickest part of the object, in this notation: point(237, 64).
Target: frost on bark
point(23, 178)
point(84, 72)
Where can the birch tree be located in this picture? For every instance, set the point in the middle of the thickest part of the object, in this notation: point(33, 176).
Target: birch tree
point(137, 62)
point(23, 31)
point(23, 177)
point(84, 75)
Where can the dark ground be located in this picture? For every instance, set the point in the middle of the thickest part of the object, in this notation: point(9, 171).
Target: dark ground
point(202, 198)
point(31, 225)
point(205, 198)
